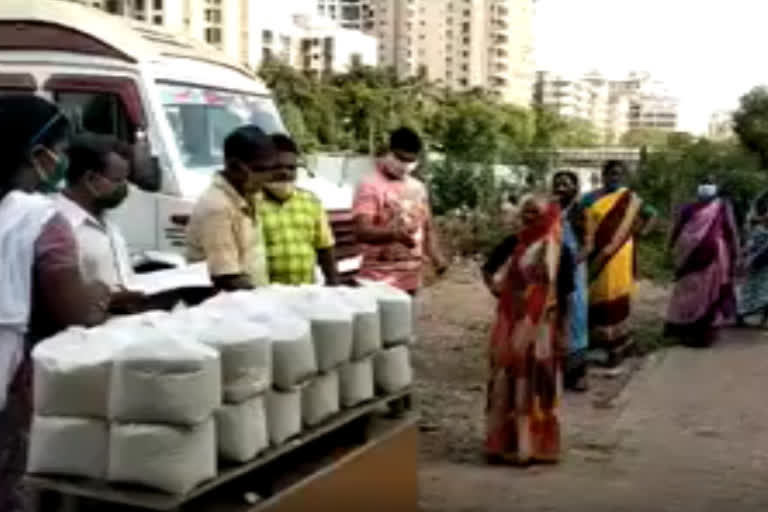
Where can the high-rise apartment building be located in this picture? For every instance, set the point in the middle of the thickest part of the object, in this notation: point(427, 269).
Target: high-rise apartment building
point(612, 106)
point(462, 44)
point(721, 125)
point(253, 31)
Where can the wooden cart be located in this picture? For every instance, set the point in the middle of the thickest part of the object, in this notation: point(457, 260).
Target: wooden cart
point(364, 458)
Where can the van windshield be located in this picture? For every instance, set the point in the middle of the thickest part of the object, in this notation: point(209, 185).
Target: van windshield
point(201, 118)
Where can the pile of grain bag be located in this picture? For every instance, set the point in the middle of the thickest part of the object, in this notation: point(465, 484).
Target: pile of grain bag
point(155, 399)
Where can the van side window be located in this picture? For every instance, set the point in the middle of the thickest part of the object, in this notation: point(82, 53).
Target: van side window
point(98, 112)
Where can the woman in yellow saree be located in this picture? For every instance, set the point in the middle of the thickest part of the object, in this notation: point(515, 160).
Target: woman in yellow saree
point(614, 214)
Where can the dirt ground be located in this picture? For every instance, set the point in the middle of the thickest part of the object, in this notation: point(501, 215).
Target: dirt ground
point(647, 440)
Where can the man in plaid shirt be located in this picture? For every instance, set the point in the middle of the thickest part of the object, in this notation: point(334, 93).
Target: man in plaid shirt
point(297, 233)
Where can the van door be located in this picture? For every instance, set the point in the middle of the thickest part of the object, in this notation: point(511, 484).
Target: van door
point(112, 106)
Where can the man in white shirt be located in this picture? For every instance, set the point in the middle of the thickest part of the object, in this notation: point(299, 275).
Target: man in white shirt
point(97, 181)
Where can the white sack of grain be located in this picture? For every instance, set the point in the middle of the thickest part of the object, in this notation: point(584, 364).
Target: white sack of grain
point(283, 415)
point(293, 354)
point(165, 380)
point(331, 321)
point(68, 447)
point(366, 329)
point(356, 382)
point(396, 311)
point(392, 369)
point(246, 355)
point(241, 430)
point(71, 374)
point(320, 398)
point(170, 459)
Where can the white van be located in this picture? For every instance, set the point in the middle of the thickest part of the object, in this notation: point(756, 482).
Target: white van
point(126, 78)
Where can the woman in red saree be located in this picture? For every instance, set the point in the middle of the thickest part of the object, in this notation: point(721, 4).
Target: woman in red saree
point(527, 345)
point(705, 241)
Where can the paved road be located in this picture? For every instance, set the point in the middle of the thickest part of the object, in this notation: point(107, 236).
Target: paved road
point(691, 433)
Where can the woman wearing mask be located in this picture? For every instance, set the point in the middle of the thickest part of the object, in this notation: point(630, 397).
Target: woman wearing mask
point(42, 290)
point(705, 242)
point(527, 344)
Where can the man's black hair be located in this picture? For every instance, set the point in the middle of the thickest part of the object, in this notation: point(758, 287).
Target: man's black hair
point(406, 140)
point(90, 152)
point(26, 121)
point(248, 143)
point(284, 144)
point(570, 174)
point(612, 165)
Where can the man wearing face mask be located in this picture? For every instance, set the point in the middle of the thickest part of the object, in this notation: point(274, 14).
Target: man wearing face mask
point(224, 230)
point(97, 181)
point(394, 221)
point(297, 233)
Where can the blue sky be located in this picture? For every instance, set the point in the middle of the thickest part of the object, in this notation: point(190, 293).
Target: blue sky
point(700, 48)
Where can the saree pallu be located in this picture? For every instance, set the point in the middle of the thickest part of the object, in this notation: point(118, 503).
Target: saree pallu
point(525, 384)
point(611, 219)
point(754, 292)
point(703, 298)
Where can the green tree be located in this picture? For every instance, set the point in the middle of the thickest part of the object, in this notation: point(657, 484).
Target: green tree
point(750, 122)
point(644, 137)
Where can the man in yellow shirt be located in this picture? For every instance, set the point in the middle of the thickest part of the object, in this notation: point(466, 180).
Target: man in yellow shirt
point(297, 232)
point(224, 230)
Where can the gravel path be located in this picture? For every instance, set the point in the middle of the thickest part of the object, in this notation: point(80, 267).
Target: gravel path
point(689, 431)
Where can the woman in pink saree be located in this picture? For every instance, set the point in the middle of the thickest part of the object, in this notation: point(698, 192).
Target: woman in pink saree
point(705, 242)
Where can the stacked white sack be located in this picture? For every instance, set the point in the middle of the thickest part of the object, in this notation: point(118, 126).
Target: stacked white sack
point(245, 351)
point(330, 320)
point(241, 430)
point(283, 415)
point(392, 369)
point(71, 375)
point(366, 329)
point(293, 354)
point(320, 398)
point(396, 311)
point(356, 382)
point(161, 379)
point(170, 459)
point(68, 446)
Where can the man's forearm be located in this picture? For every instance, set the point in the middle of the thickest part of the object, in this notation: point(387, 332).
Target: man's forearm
point(375, 235)
point(326, 258)
point(232, 282)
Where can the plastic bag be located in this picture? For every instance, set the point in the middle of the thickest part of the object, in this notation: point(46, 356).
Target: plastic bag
point(366, 329)
point(392, 369)
point(396, 310)
point(165, 380)
point(241, 430)
point(283, 415)
point(246, 356)
point(171, 459)
point(320, 399)
point(72, 374)
point(68, 446)
point(356, 382)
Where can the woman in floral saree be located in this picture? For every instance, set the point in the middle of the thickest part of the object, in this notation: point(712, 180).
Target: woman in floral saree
point(613, 215)
point(528, 344)
point(753, 298)
point(706, 245)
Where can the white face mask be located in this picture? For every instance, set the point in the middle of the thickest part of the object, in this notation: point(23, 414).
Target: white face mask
point(409, 168)
point(707, 191)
